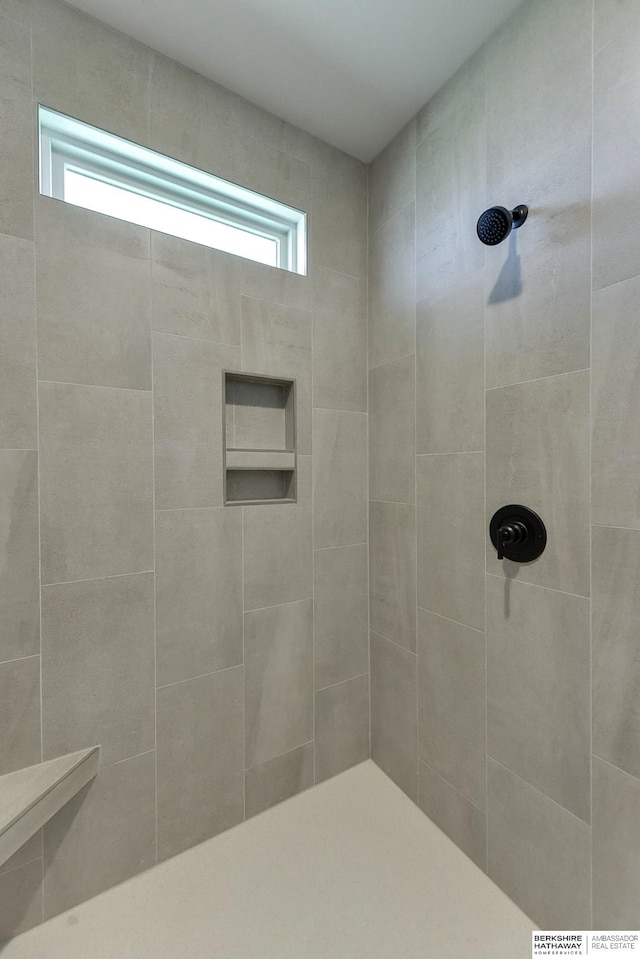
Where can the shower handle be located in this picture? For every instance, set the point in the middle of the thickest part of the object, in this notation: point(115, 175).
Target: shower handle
point(511, 534)
point(517, 533)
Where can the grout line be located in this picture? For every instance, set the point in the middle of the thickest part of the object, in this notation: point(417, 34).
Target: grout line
point(22, 865)
point(96, 579)
point(191, 679)
point(293, 602)
point(198, 339)
point(390, 502)
point(626, 529)
point(484, 419)
point(368, 477)
point(324, 549)
point(454, 788)
point(396, 359)
point(36, 154)
point(127, 759)
point(153, 494)
point(537, 379)
point(244, 669)
point(185, 509)
point(474, 629)
point(342, 682)
point(20, 659)
point(591, 474)
point(452, 453)
point(313, 543)
point(94, 386)
point(540, 792)
point(607, 762)
point(391, 642)
point(271, 759)
point(550, 589)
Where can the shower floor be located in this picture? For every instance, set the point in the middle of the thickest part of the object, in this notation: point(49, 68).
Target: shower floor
point(348, 870)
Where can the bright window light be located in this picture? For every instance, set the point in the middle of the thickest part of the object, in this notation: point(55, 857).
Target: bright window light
point(98, 171)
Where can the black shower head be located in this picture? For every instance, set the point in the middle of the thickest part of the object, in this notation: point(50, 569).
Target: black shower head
point(496, 224)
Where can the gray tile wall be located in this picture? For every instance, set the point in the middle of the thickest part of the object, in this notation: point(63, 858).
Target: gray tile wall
point(183, 642)
point(527, 390)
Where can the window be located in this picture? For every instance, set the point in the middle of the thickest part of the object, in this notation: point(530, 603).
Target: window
point(99, 171)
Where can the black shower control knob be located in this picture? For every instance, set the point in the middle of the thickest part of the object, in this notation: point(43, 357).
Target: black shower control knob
point(517, 533)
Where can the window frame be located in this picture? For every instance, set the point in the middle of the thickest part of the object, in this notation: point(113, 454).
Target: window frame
point(69, 144)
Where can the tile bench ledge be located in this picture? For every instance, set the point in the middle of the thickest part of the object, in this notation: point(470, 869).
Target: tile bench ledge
point(30, 797)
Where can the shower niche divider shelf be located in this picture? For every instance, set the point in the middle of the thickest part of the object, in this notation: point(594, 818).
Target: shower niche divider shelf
point(259, 439)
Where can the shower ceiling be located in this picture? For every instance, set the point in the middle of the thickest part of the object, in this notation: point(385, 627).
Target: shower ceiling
point(351, 72)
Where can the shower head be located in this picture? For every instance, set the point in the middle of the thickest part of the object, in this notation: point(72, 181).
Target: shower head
point(496, 224)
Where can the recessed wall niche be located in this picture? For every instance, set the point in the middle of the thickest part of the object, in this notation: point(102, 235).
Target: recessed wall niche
point(259, 439)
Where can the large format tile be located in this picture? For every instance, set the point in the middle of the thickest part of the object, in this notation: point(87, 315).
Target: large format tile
point(96, 474)
point(538, 689)
point(98, 667)
point(19, 549)
point(198, 592)
point(616, 664)
point(539, 854)
point(19, 714)
point(464, 823)
point(277, 779)
point(546, 79)
point(392, 572)
point(178, 100)
point(200, 768)
point(392, 280)
point(612, 19)
point(538, 456)
point(450, 179)
point(109, 83)
point(451, 536)
point(18, 336)
point(616, 138)
point(339, 196)
point(92, 276)
point(278, 646)
point(392, 177)
point(278, 554)
point(393, 712)
point(392, 465)
point(340, 478)
point(276, 341)
point(104, 835)
point(194, 290)
point(16, 144)
point(341, 614)
point(20, 900)
point(187, 375)
point(450, 369)
point(342, 727)
point(538, 286)
point(451, 704)
point(17, 10)
point(339, 341)
point(29, 852)
point(464, 91)
point(616, 848)
point(615, 404)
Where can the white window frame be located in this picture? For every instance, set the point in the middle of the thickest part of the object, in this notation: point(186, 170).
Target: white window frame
point(69, 144)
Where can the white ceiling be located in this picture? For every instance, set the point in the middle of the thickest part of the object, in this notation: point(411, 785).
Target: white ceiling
point(352, 72)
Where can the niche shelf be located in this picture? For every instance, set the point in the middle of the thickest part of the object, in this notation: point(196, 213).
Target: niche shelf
point(30, 797)
point(259, 439)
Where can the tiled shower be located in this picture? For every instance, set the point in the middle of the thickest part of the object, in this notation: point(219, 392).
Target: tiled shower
point(228, 657)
